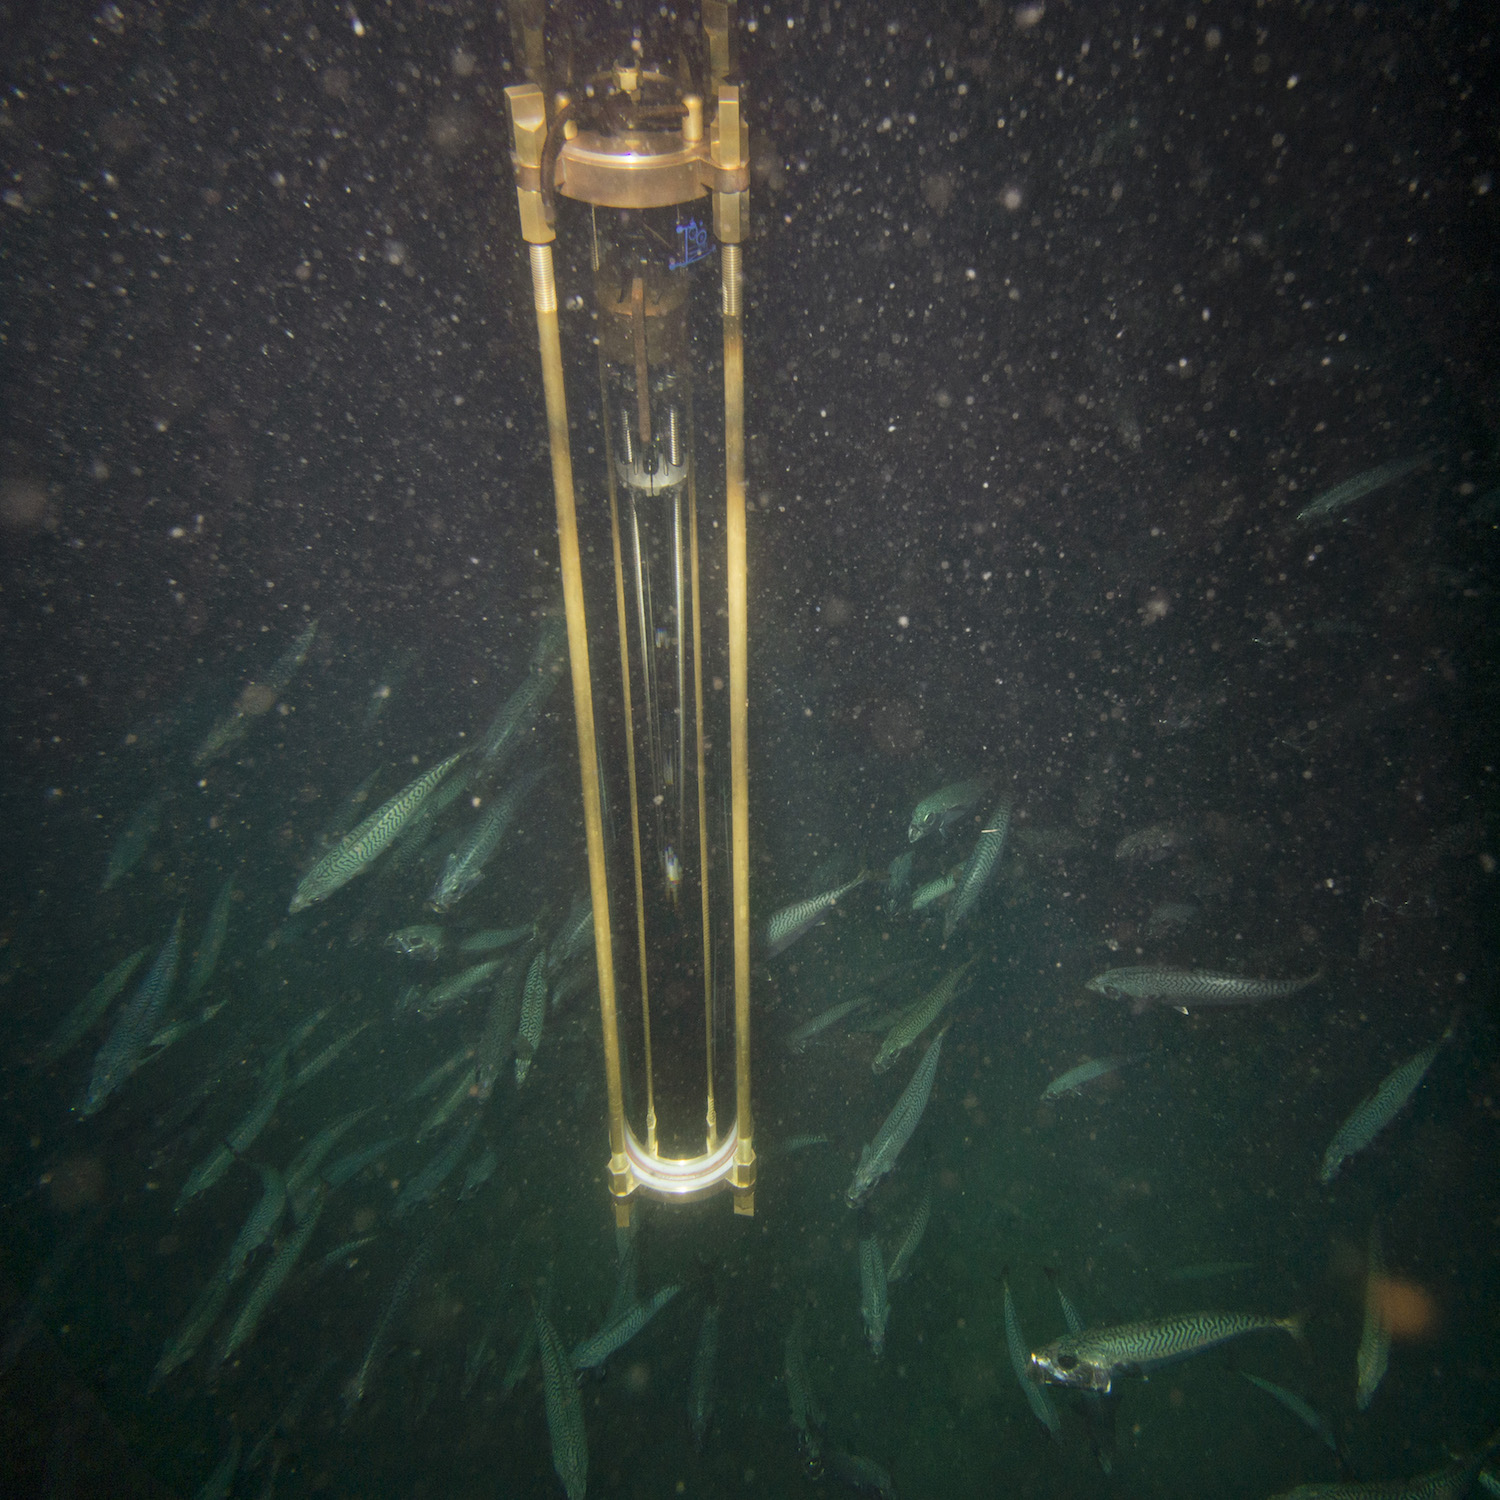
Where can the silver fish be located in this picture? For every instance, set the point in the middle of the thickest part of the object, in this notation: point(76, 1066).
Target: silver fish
point(493, 938)
point(358, 1383)
point(898, 881)
point(517, 717)
point(1041, 1404)
point(880, 1155)
point(701, 1387)
point(564, 1406)
point(1153, 843)
point(1181, 988)
point(874, 1302)
point(980, 869)
point(911, 1239)
point(324, 1059)
point(807, 1415)
point(348, 1167)
point(261, 1224)
point(1093, 1359)
point(134, 1027)
point(354, 852)
point(792, 922)
point(479, 1172)
point(302, 1170)
point(797, 1040)
point(1298, 1408)
point(593, 1351)
point(1375, 1111)
point(1085, 1073)
point(943, 807)
point(859, 1473)
point(211, 944)
point(465, 867)
point(426, 1183)
point(1331, 501)
point(933, 891)
point(243, 1136)
point(278, 1268)
point(450, 991)
point(533, 1013)
point(128, 850)
point(1374, 1354)
point(76, 1024)
point(255, 699)
point(423, 941)
point(219, 1483)
point(913, 1021)
point(498, 1039)
point(202, 1316)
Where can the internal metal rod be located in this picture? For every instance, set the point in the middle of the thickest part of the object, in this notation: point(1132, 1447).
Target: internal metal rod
point(622, 618)
point(679, 601)
point(648, 645)
point(712, 1113)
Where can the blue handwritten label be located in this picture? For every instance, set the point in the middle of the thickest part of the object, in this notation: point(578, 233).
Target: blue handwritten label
point(693, 243)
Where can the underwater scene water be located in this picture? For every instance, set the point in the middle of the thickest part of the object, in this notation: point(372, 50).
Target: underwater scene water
point(1124, 492)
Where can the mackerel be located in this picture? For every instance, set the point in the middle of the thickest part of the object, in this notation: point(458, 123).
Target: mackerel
point(1299, 1409)
point(258, 1228)
point(797, 1040)
point(1331, 501)
point(933, 890)
point(354, 1390)
point(211, 944)
point(793, 921)
point(498, 1039)
point(278, 1268)
point(326, 1058)
point(880, 1155)
point(131, 845)
point(302, 1170)
point(911, 1239)
point(943, 807)
point(1091, 1360)
point(913, 1021)
point(874, 1302)
point(355, 851)
point(564, 1406)
point(516, 717)
point(136, 1024)
point(76, 1024)
point(423, 942)
point(348, 1167)
point(450, 991)
point(592, 1352)
point(1041, 1404)
point(533, 1013)
point(426, 1183)
point(1085, 1073)
point(202, 1316)
point(807, 1415)
point(701, 1387)
point(980, 869)
point(465, 867)
point(1450, 1482)
point(1181, 988)
point(244, 1135)
point(1375, 1111)
point(493, 938)
point(1374, 1355)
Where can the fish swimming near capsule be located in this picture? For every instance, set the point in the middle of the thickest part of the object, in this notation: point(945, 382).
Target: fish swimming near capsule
point(1094, 1359)
point(464, 868)
point(593, 1351)
point(354, 853)
point(933, 814)
point(980, 869)
point(1376, 1110)
point(879, 1157)
point(1331, 501)
point(913, 1021)
point(564, 1407)
point(1153, 984)
point(794, 921)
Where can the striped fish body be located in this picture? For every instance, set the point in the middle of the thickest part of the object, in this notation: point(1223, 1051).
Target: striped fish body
point(934, 890)
point(564, 1406)
point(797, 1040)
point(324, 1059)
point(465, 866)
point(913, 1022)
point(76, 1024)
point(273, 1086)
point(980, 869)
point(1085, 1073)
point(511, 725)
point(898, 881)
point(1298, 1408)
point(202, 1316)
point(1037, 1399)
point(358, 1383)
point(422, 941)
point(856, 1472)
point(1451, 1482)
point(943, 807)
point(1145, 985)
point(264, 1218)
point(880, 1155)
point(302, 1170)
point(701, 1389)
point(211, 944)
point(354, 852)
point(1374, 1355)
point(450, 991)
point(426, 1183)
point(1091, 1360)
point(219, 1483)
point(793, 921)
point(131, 845)
point(134, 1027)
point(498, 1038)
point(874, 1303)
point(1375, 1111)
point(592, 1352)
point(278, 1268)
point(533, 1013)
point(911, 1239)
point(1331, 501)
point(494, 938)
point(807, 1415)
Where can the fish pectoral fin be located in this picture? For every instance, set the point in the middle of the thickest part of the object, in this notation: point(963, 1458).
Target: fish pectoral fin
point(1180, 1009)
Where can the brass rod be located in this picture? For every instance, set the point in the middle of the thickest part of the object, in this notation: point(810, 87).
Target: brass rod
point(642, 377)
point(739, 701)
point(708, 964)
point(544, 290)
point(679, 604)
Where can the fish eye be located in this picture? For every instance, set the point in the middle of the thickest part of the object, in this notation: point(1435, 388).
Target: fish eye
point(1067, 1361)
